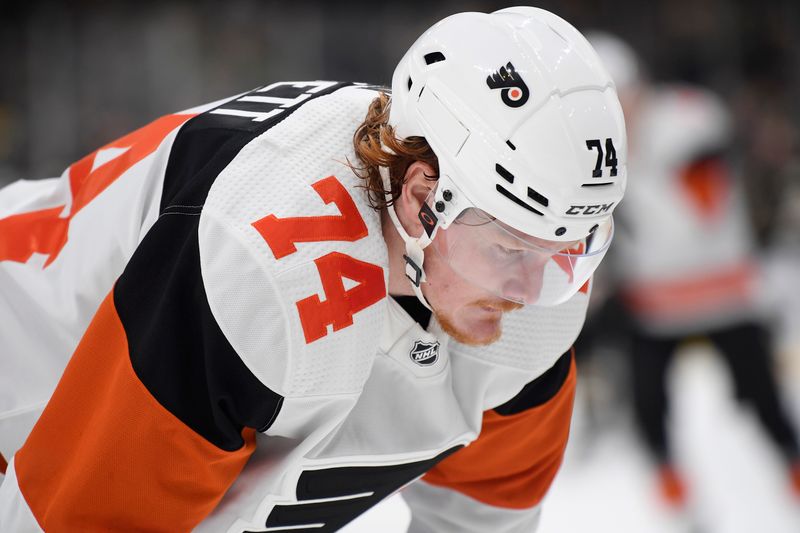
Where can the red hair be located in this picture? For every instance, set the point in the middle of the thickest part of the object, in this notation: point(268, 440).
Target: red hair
point(370, 137)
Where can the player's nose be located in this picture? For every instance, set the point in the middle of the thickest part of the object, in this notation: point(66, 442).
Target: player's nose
point(525, 279)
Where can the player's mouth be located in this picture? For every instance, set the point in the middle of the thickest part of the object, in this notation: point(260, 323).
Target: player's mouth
point(497, 307)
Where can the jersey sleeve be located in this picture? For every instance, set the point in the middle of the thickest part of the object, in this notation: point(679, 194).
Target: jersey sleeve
point(155, 415)
point(218, 328)
point(498, 482)
point(57, 263)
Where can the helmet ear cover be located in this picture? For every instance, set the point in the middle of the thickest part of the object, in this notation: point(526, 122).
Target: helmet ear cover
point(447, 203)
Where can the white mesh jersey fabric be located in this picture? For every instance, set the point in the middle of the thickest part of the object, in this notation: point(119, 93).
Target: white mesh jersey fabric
point(405, 413)
point(435, 509)
point(15, 515)
point(253, 295)
point(406, 409)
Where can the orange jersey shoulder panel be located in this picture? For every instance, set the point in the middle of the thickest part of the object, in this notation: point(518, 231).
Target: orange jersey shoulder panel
point(45, 231)
point(150, 473)
point(515, 458)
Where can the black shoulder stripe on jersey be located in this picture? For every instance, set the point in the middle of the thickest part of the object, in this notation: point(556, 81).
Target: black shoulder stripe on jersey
point(207, 143)
point(176, 346)
point(540, 390)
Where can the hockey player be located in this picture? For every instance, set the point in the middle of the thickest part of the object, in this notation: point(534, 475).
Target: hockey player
point(685, 259)
point(287, 305)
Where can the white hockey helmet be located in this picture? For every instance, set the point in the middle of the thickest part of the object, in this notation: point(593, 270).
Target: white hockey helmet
point(619, 58)
point(530, 138)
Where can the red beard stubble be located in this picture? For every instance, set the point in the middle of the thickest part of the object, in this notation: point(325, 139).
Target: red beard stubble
point(465, 337)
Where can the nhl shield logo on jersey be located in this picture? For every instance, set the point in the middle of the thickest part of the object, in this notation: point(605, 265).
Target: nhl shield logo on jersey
point(425, 353)
point(514, 91)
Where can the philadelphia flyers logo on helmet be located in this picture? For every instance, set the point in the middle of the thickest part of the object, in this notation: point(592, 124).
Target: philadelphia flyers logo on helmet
point(514, 91)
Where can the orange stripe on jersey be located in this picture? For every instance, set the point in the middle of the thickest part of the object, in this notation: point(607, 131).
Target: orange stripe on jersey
point(45, 231)
point(515, 458)
point(105, 454)
point(728, 288)
point(86, 183)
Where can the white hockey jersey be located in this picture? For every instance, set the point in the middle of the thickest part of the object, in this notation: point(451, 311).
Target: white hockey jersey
point(684, 252)
point(218, 285)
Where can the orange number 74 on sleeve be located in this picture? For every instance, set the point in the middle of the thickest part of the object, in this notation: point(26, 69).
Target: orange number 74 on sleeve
point(281, 234)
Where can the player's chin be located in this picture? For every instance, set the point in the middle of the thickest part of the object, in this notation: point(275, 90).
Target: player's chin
point(476, 331)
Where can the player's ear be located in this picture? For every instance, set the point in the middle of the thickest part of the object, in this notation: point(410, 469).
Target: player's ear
point(416, 187)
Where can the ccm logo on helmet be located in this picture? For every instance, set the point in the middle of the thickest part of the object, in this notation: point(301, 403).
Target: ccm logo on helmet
point(514, 91)
point(589, 209)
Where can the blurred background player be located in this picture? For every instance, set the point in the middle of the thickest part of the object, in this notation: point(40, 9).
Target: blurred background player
point(686, 263)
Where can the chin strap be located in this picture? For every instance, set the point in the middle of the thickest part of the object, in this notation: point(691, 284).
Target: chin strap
point(415, 255)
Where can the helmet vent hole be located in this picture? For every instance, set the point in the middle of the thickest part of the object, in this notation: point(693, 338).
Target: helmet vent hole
point(511, 145)
point(409, 83)
point(433, 57)
point(561, 231)
point(508, 194)
point(505, 174)
point(536, 197)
